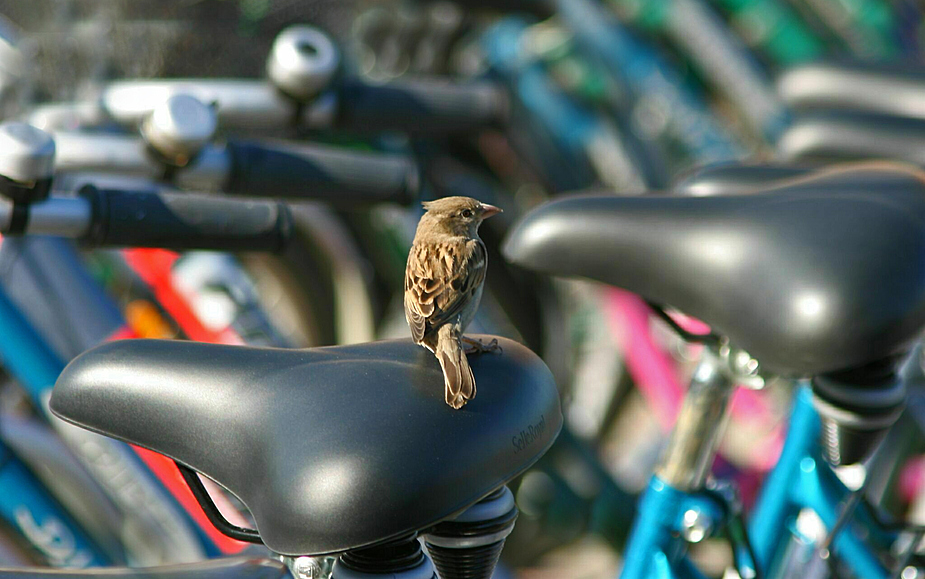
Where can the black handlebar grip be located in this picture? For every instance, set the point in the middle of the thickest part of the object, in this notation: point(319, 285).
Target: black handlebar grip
point(420, 107)
point(185, 221)
point(335, 175)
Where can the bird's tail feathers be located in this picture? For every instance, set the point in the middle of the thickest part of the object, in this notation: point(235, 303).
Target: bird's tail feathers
point(457, 376)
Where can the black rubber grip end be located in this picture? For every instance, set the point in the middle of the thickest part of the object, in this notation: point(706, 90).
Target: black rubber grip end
point(421, 106)
point(184, 221)
point(336, 175)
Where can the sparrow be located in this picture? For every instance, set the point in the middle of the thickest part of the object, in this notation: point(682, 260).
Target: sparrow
point(443, 286)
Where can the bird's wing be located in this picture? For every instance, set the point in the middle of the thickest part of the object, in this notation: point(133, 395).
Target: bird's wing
point(440, 280)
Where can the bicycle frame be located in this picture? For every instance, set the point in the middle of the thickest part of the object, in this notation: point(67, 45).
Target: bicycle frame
point(26, 506)
point(647, 73)
point(674, 505)
point(802, 480)
point(36, 366)
point(694, 27)
point(655, 374)
point(24, 503)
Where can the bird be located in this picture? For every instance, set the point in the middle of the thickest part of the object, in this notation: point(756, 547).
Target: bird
point(444, 278)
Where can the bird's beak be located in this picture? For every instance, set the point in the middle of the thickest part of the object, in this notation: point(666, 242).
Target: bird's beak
point(489, 210)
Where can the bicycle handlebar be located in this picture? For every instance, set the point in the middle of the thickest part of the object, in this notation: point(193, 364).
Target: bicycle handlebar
point(287, 170)
point(255, 168)
point(127, 155)
point(422, 106)
point(241, 104)
point(180, 221)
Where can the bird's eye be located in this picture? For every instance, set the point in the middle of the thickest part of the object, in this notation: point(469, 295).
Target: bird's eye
point(467, 213)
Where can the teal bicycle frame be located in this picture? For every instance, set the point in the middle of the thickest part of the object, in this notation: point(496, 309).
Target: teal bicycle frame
point(675, 508)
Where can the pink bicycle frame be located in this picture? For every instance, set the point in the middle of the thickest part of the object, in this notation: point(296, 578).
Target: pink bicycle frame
point(656, 374)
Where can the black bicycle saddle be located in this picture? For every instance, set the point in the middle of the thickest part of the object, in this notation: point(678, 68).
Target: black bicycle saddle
point(734, 178)
point(890, 89)
point(811, 275)
point(330, 448)
point(222, 568)
point(844, 136)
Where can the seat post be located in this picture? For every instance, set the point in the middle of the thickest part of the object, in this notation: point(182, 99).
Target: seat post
point(692, 446)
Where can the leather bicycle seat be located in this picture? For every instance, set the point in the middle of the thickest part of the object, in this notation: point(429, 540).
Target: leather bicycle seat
point(840, 135)
point(224, 568)
point(812, 275)
point(889, 89)
point(330, 448)
point(734, 178)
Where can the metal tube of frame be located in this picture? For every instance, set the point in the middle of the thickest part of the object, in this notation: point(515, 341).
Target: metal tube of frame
point(130, 156)
point(686, 461)
point(242, 103)
point(122, 154)
point(59, 216)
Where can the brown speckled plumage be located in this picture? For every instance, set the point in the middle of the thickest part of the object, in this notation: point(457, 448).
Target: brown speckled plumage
point(443, 286)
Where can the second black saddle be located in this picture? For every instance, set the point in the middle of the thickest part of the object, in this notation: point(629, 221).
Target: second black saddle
point(810, 274)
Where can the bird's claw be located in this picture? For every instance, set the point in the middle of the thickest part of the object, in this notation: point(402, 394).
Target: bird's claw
point(473, 346)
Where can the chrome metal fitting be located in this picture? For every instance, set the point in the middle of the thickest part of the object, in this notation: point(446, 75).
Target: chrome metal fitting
point(308, 567)
point(743, 369)
point(179, 128)
point(27, 164)
point(696, 525)
point(687, 458)
point(27, 154)
point(303, 61)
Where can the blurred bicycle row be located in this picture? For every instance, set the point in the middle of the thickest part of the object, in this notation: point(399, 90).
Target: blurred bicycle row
point(353, 113)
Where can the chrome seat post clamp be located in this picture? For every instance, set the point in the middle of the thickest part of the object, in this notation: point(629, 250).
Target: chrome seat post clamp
point(692, 446)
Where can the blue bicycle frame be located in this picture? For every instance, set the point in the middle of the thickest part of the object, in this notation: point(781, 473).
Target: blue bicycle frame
point(562, 132)
point(800, 480)
point(569, 129)
point(649, 76)
point(803, 480)
point(25, 505)
point(28, 357)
